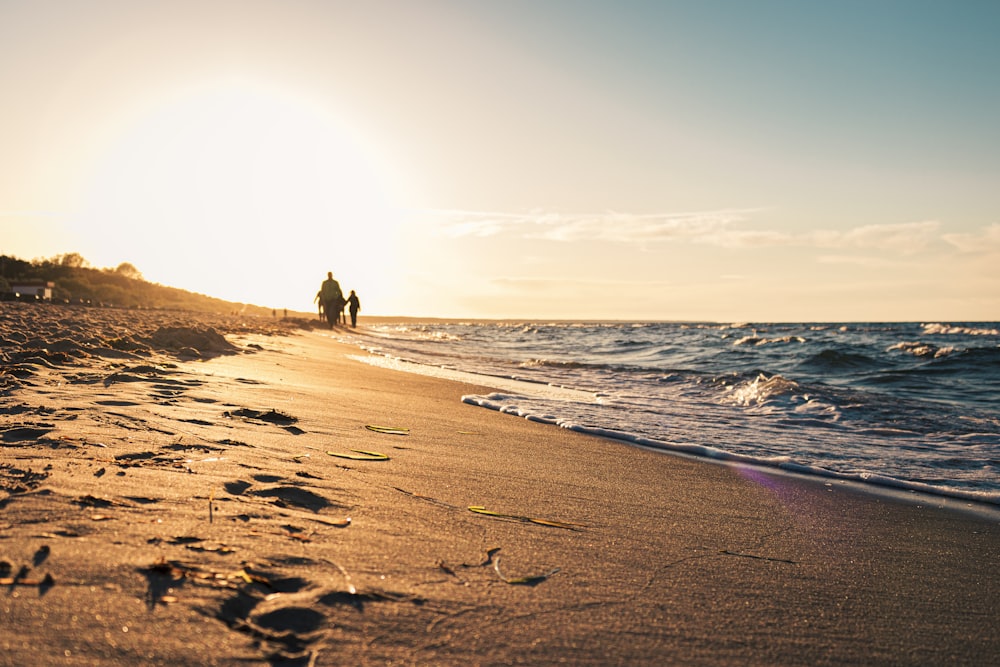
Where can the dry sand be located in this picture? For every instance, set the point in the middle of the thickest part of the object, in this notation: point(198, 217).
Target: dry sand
point(167, 497)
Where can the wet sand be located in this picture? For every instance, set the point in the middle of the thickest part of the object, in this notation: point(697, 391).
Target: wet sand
point(179, 489)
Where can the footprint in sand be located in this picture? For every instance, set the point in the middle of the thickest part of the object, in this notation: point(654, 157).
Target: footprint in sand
point(271, 416)
point(285, 626)
point(291, 619)
point(292, 495)
point(237, 488)
point(233, 443)
point(23, 433)
point(41, 555)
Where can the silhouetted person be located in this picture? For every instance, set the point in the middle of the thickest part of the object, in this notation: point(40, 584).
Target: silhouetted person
point(341, 315)
point(332, 298)
point(353, 305)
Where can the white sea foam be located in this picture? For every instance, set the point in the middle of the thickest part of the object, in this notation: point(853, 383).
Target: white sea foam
point(919, 349)
point(759, 340)
point(949, 329)
point(760, 390)
point(507, 384)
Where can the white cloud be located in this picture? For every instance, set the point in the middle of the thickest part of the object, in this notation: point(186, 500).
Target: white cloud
point(904, 238)
point(747, 238)
point(609, 226)
point(717, 227)
point(988, 240)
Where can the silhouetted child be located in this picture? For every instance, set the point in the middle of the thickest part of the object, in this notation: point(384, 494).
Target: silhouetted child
point(354, 305)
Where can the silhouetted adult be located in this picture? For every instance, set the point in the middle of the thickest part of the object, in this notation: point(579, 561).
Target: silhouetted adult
point(353, 305)
point(332, 298)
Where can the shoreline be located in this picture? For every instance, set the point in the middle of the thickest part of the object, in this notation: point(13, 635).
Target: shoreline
point(955, 500)
point(173, 509)
point(414, 319)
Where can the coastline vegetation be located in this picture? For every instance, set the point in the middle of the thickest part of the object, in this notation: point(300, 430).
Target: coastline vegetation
point(76, 282)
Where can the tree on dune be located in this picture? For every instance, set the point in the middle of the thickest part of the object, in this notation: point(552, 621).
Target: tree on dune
point(72, 260)
point(128, 270)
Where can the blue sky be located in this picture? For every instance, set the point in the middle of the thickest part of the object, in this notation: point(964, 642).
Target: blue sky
point(553, 159)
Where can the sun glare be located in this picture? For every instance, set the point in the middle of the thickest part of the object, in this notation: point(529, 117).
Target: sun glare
point(242, 193)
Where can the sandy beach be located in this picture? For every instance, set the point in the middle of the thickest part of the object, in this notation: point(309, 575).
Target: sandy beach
point(204, 490)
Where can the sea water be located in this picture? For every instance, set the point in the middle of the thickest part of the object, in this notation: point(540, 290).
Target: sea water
point(910, 406)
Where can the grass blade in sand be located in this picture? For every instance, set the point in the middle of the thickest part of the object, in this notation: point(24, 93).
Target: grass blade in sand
point(391, 430)
point(360, 455)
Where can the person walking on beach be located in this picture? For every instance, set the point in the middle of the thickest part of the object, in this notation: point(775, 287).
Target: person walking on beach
point(319, 299)
point(354, 305)
point(332, 298)
point(341, 315)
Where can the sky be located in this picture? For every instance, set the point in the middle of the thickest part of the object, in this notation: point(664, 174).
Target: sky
point(742, 160)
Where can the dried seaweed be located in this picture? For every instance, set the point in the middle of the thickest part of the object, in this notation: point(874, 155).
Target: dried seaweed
point(478, 509)
point(20, 579)
point(428, 499)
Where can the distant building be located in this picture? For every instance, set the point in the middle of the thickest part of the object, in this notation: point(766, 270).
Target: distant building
point(41, 289)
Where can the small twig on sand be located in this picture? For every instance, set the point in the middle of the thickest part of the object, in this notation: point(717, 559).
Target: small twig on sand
point(726, 552)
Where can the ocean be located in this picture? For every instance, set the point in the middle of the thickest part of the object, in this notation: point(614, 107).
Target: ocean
point(895, 405)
